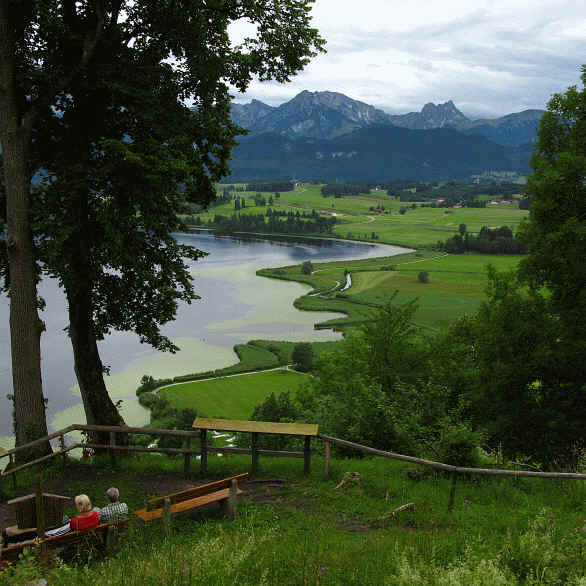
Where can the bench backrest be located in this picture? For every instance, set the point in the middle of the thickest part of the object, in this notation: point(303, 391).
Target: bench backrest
point(190, 493)
point(71, 538)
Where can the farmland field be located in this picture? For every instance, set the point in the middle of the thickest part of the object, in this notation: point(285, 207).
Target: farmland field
point(418, 226)
point(233, 397)
point(456, 285)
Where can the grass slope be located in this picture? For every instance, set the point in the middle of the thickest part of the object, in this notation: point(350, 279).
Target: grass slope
point(234, 397)
point(501, 531)
point(456, 285)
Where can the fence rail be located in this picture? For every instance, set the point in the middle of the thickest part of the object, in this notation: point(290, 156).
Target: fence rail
point(449, 467)
point(113, 448)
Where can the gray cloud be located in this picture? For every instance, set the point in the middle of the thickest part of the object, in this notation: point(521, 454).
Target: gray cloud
point(503, 56)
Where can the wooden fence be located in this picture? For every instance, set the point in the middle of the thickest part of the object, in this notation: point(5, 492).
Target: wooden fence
point(113, 447)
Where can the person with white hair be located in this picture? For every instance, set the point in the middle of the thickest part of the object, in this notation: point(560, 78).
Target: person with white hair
point(114, 510)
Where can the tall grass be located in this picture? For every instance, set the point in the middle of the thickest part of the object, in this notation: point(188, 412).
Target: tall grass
point(501, 531)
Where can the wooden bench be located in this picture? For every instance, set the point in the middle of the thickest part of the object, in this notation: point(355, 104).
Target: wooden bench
point(223, 491)
point(104, 535)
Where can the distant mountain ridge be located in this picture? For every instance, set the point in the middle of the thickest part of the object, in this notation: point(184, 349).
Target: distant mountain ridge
point(327, 115)
point(375, 152)
point(431, 116)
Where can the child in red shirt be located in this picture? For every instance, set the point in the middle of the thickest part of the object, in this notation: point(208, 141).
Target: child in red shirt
point(87, 519)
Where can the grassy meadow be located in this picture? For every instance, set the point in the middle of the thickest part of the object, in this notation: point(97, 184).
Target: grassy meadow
point(418, 227)
point(233, 397)
point(456, 285)
point(299, 530)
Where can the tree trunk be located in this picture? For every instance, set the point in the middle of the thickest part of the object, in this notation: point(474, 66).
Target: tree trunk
point(98, 406)
point(25, 325)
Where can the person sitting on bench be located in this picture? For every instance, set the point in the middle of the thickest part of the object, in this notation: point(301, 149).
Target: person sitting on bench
point(114, 510)
point(13, 535)
point(87, 519)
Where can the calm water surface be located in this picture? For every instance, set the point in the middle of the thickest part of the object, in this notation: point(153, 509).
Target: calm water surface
point(235, 306)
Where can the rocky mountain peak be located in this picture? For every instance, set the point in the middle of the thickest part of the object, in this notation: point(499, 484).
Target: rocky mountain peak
point(440, 115)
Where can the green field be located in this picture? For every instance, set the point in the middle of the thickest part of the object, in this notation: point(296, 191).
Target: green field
point(417, 227)
point(232, 397)
point(456, 285)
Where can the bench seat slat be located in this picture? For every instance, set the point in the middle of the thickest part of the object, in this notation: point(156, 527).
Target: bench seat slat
point(190, 493)
point(186, 505)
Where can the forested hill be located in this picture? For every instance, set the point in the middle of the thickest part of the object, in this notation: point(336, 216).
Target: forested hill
point(377, 152)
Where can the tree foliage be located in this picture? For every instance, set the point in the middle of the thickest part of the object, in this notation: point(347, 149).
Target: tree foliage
point(99, 90)
point(302, 356)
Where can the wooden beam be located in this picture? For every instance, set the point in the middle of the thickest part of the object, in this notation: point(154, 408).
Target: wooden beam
point(204, 452)
point(449, 467)
point(254, 469)
point(186, 457)
point(307, 455)
point(256, 426)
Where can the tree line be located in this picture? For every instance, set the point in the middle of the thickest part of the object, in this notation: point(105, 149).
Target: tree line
point(273, 222)
point(271, 186)
point(487, 241)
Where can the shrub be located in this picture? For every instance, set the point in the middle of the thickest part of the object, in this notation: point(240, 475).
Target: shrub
point(306, 268)
point(280, 409)
point(423, 277)
point(303, 356)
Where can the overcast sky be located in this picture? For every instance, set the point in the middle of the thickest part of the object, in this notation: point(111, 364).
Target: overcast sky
point(490, 57)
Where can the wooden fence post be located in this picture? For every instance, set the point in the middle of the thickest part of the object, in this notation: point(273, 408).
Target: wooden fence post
point(62, 447)
point(255, 454)
point(452, 492)
point(40, 512)
point(13, 475)
point(230, 509)
point(112, 450)
point(204, 452)
point(167, 517)
point(186, 459)
point(328, 452)
point(307, 455)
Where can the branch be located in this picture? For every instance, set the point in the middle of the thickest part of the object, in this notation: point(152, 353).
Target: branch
point(392, 513)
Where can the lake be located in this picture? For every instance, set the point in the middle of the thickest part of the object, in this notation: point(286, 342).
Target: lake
point(235, 306)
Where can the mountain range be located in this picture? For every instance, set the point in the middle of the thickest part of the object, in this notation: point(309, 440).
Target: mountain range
point(329, 136)
point(327, 115)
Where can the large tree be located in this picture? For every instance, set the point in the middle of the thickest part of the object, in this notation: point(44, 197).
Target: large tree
point(97, 91)
point(555, 236)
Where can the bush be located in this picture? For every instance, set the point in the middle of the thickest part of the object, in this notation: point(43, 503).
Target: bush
point(303, 356)
point(306, 268)
point(280, 409)
point(423, 277)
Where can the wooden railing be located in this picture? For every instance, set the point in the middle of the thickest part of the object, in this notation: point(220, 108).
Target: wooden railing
point(113, 448)
point(445, 467)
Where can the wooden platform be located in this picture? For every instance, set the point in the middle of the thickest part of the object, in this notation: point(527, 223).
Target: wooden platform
point(256, 426)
